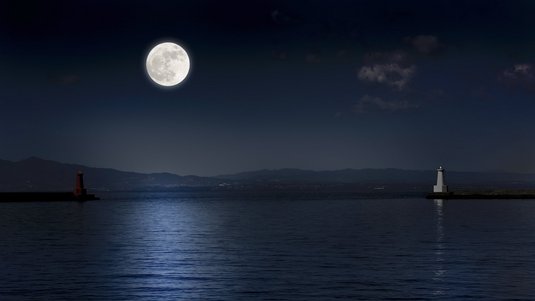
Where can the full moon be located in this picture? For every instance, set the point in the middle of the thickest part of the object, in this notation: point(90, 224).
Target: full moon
point(168, 64)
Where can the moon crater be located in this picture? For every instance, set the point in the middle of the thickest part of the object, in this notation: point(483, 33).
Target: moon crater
point(168, 64)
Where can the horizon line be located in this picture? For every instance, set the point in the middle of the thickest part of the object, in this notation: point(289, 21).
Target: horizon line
point(267, 169)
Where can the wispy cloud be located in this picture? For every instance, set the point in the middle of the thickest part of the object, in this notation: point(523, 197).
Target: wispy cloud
point(369, 103)
point(520, 75)
point(519, 71)
point(392, 74)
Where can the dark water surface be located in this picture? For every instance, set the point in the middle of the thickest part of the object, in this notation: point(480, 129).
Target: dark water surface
point(171, 246)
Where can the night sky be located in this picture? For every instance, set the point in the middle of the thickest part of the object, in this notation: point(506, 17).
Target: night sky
point(273, 84)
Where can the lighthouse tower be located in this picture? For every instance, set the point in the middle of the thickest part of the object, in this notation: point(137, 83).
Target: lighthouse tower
point(79, 189)
point(441, 186)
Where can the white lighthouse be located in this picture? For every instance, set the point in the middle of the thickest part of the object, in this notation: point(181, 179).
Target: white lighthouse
point(441, 186)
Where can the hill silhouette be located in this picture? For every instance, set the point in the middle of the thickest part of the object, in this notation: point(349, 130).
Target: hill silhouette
point(36, 174)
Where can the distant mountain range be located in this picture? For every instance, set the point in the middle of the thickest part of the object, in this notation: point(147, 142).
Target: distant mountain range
point(35, 174)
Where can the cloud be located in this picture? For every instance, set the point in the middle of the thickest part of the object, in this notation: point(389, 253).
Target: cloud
point(370, 103)
point(519, 71)
point(425, 44)
point(520, 75)
point(391, 74)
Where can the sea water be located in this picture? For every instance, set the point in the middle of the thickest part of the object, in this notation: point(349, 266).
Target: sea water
point(208, 246)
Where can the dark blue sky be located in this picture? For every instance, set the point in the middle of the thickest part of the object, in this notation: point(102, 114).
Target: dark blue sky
point(273, 84)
